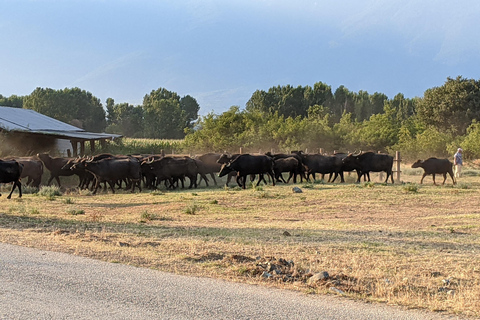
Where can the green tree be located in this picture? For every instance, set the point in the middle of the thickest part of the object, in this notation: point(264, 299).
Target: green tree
point(190, 108)
point(166, 116)
point(343, 103)
point(380, 131)
point(452, 106)
point(73, 106)
point(219, 133)
point(13, 101)
point(125, 119)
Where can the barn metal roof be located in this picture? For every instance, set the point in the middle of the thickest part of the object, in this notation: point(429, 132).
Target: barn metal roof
point(30, 121)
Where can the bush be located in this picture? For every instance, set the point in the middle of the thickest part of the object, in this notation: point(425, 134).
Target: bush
point(410, 187)
point(49, 191)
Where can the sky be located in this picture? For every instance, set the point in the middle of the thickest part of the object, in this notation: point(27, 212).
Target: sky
point(221, 51)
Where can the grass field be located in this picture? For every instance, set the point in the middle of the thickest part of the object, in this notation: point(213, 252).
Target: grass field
point(405, 244)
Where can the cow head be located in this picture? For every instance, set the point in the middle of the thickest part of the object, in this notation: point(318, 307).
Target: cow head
point(225, 169)
point(417, 164)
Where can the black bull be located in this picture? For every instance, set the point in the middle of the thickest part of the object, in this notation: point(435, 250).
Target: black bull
point(370, 162)
point(435, 166)
point(10, 171)
point(247, 164)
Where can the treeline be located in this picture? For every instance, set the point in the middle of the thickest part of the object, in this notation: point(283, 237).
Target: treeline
point(286, 118)
point(163, 114)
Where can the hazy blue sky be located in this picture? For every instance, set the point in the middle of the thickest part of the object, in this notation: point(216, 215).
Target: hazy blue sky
point(221, 51)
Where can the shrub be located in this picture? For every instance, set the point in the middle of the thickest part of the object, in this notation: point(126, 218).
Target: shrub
point(50, 192)
point(410, 187)
point(147, 216)
point(191, 209)
point(75, 212)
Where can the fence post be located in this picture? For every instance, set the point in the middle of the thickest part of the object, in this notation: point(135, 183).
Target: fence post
point(397, 165)
point(241, 150)
point(321, 150)
point(381, 172)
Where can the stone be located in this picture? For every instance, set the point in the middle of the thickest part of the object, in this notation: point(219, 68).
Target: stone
point(297, 190)
point(337, 291)
point(318, 276)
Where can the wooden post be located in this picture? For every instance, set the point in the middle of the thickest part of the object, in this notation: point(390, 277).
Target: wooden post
point(321, 150)
point(241, 150)
point(74, 148)
point(397, 161)
point(92, 146)
point(381, 172)
point(82, 148)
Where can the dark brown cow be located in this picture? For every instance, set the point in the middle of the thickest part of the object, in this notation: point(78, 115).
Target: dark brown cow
point(435, 166)
point(55, 166)
point(247, 164)
point(112, 170)
point(32, 169)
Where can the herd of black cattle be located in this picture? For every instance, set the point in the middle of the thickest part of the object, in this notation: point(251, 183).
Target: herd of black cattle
point(152, 170)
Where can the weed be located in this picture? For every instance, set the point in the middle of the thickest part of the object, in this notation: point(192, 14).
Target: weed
point(68, 201)
point(463, 185)
point(410, 187)
point(308, 186)
point(368, 184)
point(75, 212)
point(29, 190)
point(50, 192)
point(257, 188)
point(147, 216)
point(214, 202)
point(191, 209)
point(34, 211)
point(157, 193)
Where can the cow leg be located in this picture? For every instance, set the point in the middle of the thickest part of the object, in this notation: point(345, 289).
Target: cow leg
point(15, 184)
point(434, 179)
point(421, 180)
point(213, 178)
point(444, 178)
point(112, 185)
point(50, 180)
point(206, 179)
point(242, 181)
point(57, 178)
point(271, 175)
point(451, 175)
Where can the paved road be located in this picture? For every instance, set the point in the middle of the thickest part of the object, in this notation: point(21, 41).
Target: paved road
point(38, 284)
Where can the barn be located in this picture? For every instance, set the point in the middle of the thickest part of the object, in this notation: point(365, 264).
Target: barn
point(27, 132)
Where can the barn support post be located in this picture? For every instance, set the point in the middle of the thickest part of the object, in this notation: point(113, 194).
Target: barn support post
point(82, 148)
point(92, 146)
point(74, 147)
point(397, 162)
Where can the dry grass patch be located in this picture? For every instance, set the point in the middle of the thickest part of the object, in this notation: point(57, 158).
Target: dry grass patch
point(376, 242)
